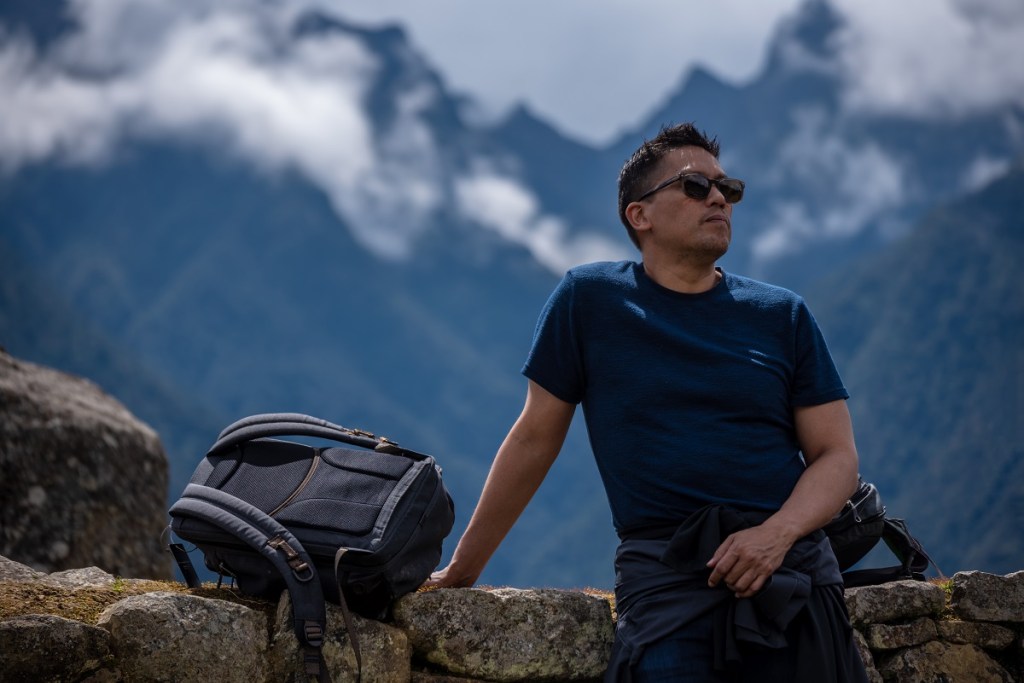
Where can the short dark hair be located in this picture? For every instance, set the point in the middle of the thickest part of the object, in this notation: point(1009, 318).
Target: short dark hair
point(635, 176)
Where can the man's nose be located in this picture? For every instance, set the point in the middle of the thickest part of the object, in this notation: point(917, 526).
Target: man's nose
point(715, 196)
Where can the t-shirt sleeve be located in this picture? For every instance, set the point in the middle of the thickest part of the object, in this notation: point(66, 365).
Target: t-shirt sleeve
point(555, 360)
point(816, 379)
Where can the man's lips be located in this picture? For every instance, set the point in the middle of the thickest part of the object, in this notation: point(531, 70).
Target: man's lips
point(717, 217)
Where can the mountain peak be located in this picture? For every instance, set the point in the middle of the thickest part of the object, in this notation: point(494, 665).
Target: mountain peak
point(315, 22)
point(805, 41)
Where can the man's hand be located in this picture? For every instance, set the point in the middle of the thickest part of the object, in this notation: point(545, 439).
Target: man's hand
point(449, 578)
point(746, 559)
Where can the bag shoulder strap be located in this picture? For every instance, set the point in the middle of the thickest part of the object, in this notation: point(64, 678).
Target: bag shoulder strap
point(296, 424)
point(273, 541)
point(267, 537)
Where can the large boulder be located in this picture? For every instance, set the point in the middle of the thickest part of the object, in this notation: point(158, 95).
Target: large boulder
point(84, 482)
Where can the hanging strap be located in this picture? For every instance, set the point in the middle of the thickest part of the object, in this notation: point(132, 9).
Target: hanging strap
point(275, 543)
point(296, 424)
point(346, 615)
point(188, 572)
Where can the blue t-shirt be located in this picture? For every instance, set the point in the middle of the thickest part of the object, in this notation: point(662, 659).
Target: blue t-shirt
point(688, 398)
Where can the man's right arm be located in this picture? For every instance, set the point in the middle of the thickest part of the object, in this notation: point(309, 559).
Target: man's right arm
point(522, 462)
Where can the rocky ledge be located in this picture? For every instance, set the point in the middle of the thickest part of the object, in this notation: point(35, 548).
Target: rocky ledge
point(88, 625)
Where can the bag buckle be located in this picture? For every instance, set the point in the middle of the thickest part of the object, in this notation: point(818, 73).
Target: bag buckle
point(292, 557)
point(314, 633)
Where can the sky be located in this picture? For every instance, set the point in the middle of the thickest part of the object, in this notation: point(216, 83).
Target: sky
point(596, 67)
point(186, 68)
point(592, 68)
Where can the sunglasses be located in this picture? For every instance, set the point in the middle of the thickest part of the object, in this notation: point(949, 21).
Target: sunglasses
point(698, 186)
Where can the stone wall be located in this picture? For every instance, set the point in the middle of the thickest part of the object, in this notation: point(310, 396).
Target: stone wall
point(87, 625)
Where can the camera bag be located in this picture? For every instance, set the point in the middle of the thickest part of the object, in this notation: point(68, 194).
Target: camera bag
point(858, 527)
point(357, 526)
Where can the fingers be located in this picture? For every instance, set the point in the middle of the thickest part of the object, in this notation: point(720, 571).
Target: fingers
point(744, 562)
point(445, 578)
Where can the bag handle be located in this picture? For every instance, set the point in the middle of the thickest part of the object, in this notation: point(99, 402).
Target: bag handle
point(296, 424)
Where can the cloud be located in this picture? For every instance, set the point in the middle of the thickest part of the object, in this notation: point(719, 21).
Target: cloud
point(48, 113)
point(232, 71)
point(506, 207)
point(863, 186)
point(932, 58)
point(983, 170)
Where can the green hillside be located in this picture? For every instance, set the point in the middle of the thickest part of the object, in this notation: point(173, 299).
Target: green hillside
point(928, 335)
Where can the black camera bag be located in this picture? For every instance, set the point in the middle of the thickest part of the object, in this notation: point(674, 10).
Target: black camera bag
point(359, 527)
point(858, 527)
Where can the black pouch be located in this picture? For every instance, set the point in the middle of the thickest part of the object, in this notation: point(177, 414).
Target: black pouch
point(858, 526)
point(857, 529)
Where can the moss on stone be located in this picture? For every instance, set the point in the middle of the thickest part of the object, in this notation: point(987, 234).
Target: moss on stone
point(85, 604)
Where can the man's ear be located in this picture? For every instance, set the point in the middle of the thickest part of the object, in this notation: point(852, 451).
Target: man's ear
point(636, 214)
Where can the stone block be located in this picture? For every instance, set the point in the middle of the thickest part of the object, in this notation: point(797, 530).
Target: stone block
point(986, 636)
point(385, 650)
point(894, 636)
point(949, 663)
point(508, 634)
point(866, 657)
point(173, 637)
point(894, 602)
point(980, 596)
point(39, 647)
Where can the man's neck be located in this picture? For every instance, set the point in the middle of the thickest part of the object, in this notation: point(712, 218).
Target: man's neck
point(687, 278)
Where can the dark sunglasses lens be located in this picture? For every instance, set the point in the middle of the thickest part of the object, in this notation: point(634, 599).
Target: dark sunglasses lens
point(731, 189)
point(696, 186)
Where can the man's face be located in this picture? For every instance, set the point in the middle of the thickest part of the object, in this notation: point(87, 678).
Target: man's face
point(678, 225)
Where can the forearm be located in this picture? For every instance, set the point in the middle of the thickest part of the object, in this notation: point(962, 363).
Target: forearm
point(515, 476)
point(825, 433)
point(819, 494)
point(522, 462)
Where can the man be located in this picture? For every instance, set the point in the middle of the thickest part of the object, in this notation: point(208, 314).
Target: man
point(720, 429)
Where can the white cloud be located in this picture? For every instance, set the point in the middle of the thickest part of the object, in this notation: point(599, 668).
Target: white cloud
point(46, 112)
point(789, 228)
point(861, 183)
point(506, 207)
point(932, 58)
point(230, 69)
point(982, 171)
point(189, 67)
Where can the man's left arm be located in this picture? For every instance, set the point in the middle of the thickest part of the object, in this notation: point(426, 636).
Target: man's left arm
point(746, 559)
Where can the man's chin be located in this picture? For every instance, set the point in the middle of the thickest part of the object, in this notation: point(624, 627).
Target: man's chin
point(715, 251)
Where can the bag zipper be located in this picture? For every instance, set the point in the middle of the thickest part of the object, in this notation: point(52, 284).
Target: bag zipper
point(302, 484)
